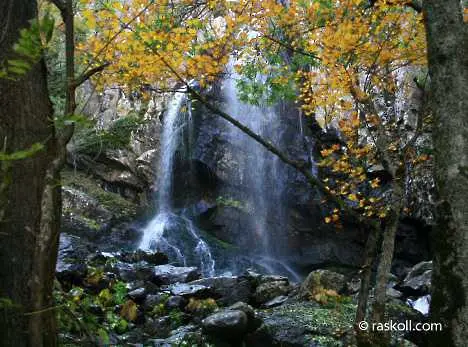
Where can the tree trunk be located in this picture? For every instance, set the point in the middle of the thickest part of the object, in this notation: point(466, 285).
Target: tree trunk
point(27, 254)
point(385, 264)
point(386, 255)
point(370, 251)
point(447, 39)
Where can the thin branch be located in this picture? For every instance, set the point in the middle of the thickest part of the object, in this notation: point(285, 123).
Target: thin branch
point(296, 50)
point(380, 139)
point(88, 74)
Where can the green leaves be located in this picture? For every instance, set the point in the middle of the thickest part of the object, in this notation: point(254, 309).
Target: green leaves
point(93, 314)
point(29, 47)
point(23, 154)
point(77, 119)
point(120, 292)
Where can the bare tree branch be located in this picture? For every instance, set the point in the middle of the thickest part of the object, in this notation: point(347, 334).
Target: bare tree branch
point(294, 49)
point(88, 74)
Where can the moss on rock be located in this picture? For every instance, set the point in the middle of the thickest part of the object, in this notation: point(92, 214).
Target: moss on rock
point(118, 206)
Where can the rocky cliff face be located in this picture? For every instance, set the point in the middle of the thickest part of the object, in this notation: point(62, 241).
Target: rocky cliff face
point(208, 184)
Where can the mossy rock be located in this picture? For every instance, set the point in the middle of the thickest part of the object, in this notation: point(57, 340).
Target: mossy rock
point(308, 324)
point(119, 207)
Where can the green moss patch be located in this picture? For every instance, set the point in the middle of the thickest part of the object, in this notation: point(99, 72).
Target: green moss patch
point(114, 203)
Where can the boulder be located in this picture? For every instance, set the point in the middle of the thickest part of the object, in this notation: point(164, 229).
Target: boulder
point(176, 302)
point(138, 295)
point(227, 324)
point(124, 271)
point(276, 301)
point(418, 280)
point(70, 267)
point(83, 214)
point(189, 334)
point(229, 289)
point(303, 324)
point(321, 279)
point(72, 273)
point(153, 258)
point(168, 274)
point(270, 290)
point(393, 293)
point(158, 327)
point(253, 320)
point(190, 290)
point(152, 300)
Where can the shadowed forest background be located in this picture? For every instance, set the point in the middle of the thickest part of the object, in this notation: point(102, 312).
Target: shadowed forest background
point(233, 173)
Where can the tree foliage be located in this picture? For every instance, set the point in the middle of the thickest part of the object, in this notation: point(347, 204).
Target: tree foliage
point(345, 63)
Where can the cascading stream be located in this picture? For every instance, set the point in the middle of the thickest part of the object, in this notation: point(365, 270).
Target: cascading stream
point(165, 231)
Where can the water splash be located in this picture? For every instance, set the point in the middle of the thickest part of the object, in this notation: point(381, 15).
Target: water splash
point(202, 250)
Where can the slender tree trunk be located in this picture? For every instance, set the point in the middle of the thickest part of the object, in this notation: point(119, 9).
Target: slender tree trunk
point(385, 265)
point(366, 274)
point(27, 253)
point(386, 255)
point(447, 39)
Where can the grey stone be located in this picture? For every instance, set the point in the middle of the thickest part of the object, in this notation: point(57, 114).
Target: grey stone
point(418, 280)
point(137, 295)
point(270, 290)
point(228, 289)
point(276, 301)
point(190, 290)
point(176, 302)
point(168, 274)
point(227, 324)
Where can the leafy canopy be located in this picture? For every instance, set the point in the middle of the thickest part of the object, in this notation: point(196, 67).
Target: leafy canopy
point(343, 62)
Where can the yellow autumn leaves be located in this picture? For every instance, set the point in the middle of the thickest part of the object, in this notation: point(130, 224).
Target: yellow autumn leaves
point(354, 52)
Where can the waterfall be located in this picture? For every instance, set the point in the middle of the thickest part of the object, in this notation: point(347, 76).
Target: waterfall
point(168, 148)
point(255, 186)
point(261, 177)
point(169, 231)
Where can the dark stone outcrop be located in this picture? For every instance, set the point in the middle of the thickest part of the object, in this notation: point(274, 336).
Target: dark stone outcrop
point(227, 324)
point(168, 274)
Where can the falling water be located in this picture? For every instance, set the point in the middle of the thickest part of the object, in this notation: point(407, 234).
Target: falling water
point(163, 232)
point(261, 176)
point(252, 170)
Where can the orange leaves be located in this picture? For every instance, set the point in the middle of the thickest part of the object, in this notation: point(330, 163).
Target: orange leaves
point(375, 183)
point(334, 218)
